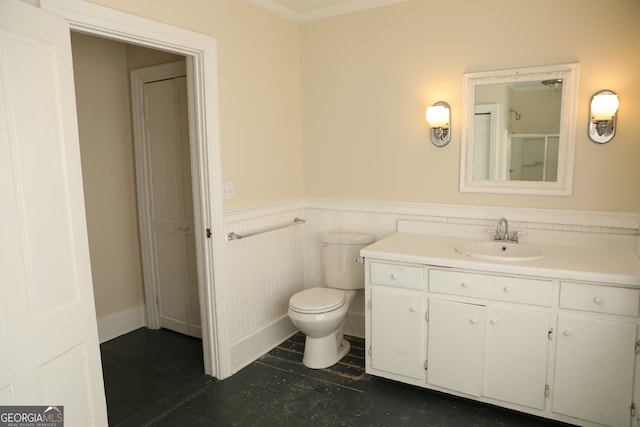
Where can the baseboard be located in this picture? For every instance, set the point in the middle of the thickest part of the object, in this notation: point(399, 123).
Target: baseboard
point(355, 325)
point(123, 322)
point(250, 348)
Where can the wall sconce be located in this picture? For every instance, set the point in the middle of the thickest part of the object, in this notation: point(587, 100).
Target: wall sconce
point(604, 107)
point(439, 119)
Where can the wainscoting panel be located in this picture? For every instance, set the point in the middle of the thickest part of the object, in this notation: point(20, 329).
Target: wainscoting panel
point(265, 270)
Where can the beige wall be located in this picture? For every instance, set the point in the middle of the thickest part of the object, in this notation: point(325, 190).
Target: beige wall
point(338, 104)
point(368, 77)
point(259, 87)
point(101, 73)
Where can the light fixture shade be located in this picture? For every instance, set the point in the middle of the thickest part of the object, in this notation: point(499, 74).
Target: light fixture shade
point(604, 106)
point(439, 118)
point(603, 116)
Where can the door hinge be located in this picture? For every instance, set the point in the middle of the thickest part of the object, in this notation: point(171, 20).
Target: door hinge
point(550, 334)
point(370, 351)
point(426, 315)
point(360, 260)
point(370, 305)
point(426, 365)
point(208, 233)
point(638, 347)
point(633, 409)
point(547, 390)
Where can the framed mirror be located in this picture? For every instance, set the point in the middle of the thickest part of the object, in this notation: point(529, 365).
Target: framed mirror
point(518, 130)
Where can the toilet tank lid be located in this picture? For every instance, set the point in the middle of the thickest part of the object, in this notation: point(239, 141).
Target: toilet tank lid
point(346, 238)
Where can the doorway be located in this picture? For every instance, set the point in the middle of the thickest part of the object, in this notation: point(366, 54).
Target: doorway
point(200, 51)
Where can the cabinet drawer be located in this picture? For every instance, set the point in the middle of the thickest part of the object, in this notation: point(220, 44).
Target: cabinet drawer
point(601, 299)
point(501, 288)
point(401, 276)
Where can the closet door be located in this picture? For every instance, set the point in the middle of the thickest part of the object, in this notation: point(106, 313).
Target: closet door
point(167, 143)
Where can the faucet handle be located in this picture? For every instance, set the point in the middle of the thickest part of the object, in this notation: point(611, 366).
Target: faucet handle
point(514, 237)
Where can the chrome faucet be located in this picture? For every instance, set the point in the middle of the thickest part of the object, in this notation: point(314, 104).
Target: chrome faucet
point(503, 233)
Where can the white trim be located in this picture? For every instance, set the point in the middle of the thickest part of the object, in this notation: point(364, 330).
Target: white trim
point(355, 325)
point(123, 322)
point(323, 13)
point(343, 9)
point(253, 346)
point(276, 9)
point(201, 53)
point(566, 151)
point(257, 211)
point(624, 220)
point(452, 213)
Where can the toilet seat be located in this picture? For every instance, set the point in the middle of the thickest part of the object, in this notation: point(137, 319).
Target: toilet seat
point(317, 300)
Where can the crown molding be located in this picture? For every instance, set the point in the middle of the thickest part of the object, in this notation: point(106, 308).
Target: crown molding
point(328, 12)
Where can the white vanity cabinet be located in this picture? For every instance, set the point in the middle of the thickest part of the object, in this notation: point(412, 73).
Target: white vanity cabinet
point(596, 352)
point(396, 308)
point(484, 347)
point(542, 345)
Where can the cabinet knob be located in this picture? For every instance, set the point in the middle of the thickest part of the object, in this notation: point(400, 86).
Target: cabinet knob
point(412, 309)
point(473, 320)
point(493, 321)
point(567, 332)
point(598, 300)
point(464, 284)
point(506, 289)
point(394, 276)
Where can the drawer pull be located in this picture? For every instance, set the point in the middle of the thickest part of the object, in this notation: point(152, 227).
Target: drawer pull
point(464, 284)
point(598, 300)
point(394, 276)
point(506, 289)
point(473, 320)
point(567, 332)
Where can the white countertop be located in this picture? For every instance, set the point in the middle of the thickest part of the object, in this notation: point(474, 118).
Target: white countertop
point(594, 264)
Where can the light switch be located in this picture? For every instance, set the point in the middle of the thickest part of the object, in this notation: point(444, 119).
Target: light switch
point(227, 191)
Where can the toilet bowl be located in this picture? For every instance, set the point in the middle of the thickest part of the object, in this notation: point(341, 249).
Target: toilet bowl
point(321, 312)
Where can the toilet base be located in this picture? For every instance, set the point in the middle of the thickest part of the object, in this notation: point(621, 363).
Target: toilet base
point(320, 353)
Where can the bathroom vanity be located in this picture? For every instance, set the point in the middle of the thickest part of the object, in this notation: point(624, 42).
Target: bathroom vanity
point(554, 336)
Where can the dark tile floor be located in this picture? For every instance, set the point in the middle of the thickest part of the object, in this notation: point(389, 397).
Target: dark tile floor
point(155, 378)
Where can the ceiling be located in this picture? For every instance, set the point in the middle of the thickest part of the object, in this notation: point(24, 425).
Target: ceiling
point(311, 10)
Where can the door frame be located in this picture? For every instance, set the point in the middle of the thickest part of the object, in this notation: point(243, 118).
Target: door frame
point(202, 81)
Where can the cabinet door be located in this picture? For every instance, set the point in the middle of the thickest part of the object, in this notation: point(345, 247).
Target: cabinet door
point(456, 345)
point(397, 337)
point(516, 348)
point(594, 370)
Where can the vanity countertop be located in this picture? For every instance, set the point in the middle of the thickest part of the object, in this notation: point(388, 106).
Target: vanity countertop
point(606, 265)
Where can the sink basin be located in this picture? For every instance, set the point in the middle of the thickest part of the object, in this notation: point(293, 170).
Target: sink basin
point(501, 251)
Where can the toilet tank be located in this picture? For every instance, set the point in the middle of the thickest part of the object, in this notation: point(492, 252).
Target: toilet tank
point(340, 253)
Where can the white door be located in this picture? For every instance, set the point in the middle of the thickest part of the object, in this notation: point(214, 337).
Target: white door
point(594, 370)
point(48, 335)
point(515, 358)
point(166, 123)
point(397, 343)
point(456, 345)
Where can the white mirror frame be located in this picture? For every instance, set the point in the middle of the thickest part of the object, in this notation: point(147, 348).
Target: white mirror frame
point(564, 185)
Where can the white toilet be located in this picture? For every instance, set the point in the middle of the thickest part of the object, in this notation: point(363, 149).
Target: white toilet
point(320, 313)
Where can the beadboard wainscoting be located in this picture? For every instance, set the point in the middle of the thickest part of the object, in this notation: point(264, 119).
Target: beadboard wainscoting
point(265, 270)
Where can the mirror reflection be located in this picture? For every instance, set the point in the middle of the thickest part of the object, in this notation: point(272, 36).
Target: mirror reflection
point(517, 127)
point(519, 130)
